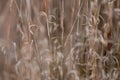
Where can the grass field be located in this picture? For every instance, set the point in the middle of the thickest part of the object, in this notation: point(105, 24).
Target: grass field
point(59, 39)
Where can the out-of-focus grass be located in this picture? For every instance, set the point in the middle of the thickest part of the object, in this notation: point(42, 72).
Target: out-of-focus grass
point(59, 39)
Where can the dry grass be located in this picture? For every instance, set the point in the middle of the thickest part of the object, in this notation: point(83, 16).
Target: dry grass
point(59, 39)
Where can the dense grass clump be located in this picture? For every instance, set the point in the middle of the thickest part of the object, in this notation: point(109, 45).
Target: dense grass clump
point(59, 39)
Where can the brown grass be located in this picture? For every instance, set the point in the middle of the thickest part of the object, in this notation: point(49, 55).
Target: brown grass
point(59, 39)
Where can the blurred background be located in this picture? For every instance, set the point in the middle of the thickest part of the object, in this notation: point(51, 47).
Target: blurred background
point(59, 39)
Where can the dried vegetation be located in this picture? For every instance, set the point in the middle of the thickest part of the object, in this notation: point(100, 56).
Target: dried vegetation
point(59, 39)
